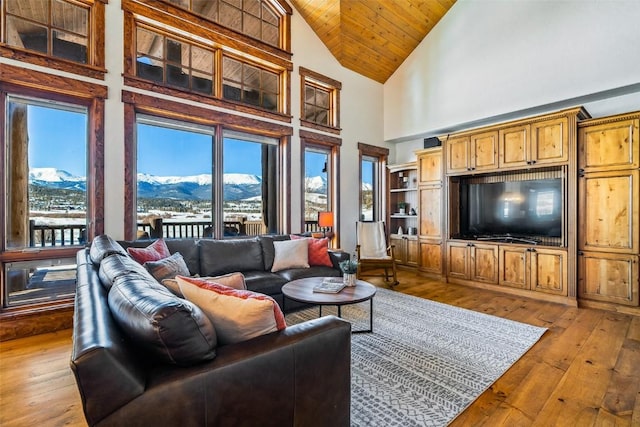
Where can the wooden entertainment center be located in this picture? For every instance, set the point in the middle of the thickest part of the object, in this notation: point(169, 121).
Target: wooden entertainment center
point(592, 261)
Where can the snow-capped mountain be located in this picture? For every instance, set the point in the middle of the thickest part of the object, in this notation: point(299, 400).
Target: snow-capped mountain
point(56, 178)
point(315, 184)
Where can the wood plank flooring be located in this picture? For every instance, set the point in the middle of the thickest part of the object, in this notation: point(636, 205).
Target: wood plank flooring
point(585, 371)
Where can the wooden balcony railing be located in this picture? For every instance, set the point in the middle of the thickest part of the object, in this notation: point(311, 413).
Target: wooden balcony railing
point(41, 235)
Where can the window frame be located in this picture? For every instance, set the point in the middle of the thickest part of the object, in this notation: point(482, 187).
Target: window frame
point(380, 178)
point(95, 66)
point(333, 87)
point(21, 82)
point(169, 20)
point(331, 145)
point(137, 103)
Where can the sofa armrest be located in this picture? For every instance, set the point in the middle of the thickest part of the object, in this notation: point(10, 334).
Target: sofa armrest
point(298, 376)
point(337, 257)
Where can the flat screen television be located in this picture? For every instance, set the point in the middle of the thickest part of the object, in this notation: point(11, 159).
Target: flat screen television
point(528, 208)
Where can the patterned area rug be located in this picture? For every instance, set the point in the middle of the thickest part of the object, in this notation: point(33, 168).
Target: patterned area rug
point(425, 361)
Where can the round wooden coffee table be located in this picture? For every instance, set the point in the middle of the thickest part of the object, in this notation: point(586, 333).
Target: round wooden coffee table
point(301, 290)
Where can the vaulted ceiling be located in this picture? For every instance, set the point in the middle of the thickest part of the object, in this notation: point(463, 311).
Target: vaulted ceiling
point(372, 37)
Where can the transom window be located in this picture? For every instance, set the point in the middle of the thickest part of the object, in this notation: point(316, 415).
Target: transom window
point(320, 101)
point(53, 27)
point(249, 84)
point(254, 18)
point(174, 62)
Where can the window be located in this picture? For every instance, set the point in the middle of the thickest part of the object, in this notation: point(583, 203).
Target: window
point(51, 144)
point(249, 84)
point(320, 192)
point(250, 184)
point(372, 166)
point(320, 103)
point(317, 162)
point(254, 18)
point(60, 29)
point(190, 67)
point(174, 62)
point(192, 176)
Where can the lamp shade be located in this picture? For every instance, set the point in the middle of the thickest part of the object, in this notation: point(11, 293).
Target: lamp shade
point(325, 219)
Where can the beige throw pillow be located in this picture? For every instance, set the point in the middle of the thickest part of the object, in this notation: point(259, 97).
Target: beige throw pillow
point(233, 280)
point(290, 254)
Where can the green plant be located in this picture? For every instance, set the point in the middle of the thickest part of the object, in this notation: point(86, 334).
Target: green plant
point(349, 266)
point(402, 205)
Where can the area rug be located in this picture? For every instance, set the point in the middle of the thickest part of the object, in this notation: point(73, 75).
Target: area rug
point(425, 361)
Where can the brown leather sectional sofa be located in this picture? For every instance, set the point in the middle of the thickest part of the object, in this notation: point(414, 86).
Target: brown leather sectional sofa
point(142, 356)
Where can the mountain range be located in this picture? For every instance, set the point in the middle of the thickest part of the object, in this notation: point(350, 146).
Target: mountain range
point(195, 187)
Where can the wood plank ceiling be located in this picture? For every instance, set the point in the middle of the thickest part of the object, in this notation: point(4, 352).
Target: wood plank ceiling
point(372, 37)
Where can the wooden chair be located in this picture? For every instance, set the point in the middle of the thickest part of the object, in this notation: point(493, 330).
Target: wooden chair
point(374, 252)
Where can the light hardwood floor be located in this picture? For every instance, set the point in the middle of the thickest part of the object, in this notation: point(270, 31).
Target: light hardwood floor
point(584, 371)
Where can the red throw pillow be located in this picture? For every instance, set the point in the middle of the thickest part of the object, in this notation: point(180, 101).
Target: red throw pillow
point(318, 251)
point(154, 252)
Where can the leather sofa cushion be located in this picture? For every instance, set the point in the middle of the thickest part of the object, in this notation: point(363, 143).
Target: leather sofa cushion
point(103, 246)
point(117, 265)
point(190, 251)
point(264, 282)
point(227, 256)
point(172, 329)
point(302, 273)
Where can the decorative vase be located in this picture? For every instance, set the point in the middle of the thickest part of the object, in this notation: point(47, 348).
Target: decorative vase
point(349, 279)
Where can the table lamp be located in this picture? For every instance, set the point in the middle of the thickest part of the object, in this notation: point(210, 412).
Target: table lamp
point(325, 220)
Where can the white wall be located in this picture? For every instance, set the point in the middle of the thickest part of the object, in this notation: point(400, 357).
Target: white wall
point(493, 60)
point(361, 120)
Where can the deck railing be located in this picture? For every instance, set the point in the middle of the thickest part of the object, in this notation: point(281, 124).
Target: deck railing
point(41, 235)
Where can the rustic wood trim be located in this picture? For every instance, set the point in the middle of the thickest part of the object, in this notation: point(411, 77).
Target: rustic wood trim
point(194, 114)
point(319, 139)
point(316, 126)
point(175, 17)
point(98, 27)
point(328, 81)
point(372, 150)
point(54, 85)
point(36, 321)
point(129, 170)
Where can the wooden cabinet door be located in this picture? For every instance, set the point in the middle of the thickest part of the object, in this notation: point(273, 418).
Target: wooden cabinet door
point(484, 263)
point(430, 256)
point(608, 277)
point(609, 146)
point(430, 167)
point(514, 267)
point(484, 151)
point(399, 249)
point(550, 141)
point(458, 152)
point(430, 212)
point(411, 251)
point(609, 211)
point(513, 146)
point(457, 257)
point(548, 271)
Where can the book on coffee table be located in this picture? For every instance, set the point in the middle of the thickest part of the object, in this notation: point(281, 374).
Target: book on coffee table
point(331, 285)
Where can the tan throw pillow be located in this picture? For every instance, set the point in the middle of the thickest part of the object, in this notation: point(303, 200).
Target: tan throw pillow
point(233, 280)
point(237, 315)
point(290, 254)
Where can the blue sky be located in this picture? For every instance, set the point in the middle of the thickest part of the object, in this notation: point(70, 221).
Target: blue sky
point(62, 134)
